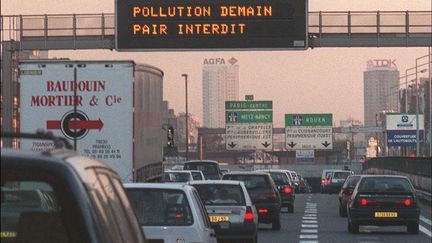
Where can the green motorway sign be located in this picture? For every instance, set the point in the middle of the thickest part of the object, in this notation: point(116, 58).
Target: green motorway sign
point(249, 116)
point(308, 120)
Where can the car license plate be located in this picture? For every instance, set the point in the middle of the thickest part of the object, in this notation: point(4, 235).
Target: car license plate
point(386, 214)
point(216, 219)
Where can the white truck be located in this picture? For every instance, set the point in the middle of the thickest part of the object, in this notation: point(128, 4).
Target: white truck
point(93, 104)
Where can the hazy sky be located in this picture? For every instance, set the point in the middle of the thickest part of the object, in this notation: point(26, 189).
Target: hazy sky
point(322, 80)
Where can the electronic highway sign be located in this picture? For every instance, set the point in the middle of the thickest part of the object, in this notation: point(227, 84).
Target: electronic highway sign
point(145, 25)
point(308, 131)
point(249, 125)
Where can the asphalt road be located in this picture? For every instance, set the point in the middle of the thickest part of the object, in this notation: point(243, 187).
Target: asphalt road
point(316, 219)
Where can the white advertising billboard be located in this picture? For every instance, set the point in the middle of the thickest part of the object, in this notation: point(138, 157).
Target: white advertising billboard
point(95, 112)
point(404, 121)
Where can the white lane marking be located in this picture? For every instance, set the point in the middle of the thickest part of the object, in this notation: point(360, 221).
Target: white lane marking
point(427, 221)
point(308, 236)
point(310, 218)
point(308, 241)
point(309, 226)
point(310, 222)
point(309, 231)
point(310, 214)
point(425, 231)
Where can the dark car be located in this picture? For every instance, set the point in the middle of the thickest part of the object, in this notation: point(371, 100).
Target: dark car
point(346, 192)
point(209, 168)
point(285, 187)
point(383, 201)
point(60, 196)
point(264, 194)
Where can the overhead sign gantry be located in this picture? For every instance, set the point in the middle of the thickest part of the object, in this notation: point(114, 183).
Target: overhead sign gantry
point(208, 24)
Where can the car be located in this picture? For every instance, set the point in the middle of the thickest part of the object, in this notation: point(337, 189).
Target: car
point(383, 200)
point(295, 180)
point(224, 171)
point(197, 175)
point(64, 196)
point(324, 181)
point(303, 185)
point(336, 179)
point(210, 168)
point(230, 209)
point(170, 212)
point(346, 192)
point(264, 194)
point(177, 176)
point(285, 187)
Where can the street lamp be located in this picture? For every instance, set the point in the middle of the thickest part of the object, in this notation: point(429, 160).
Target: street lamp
point(186, 117)
point(417, 104)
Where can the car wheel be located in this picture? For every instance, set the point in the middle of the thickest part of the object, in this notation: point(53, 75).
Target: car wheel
point(413, 228)
point(276, 225)
point(342, 212)
point(349, 227)
point(291, 208)
point(355, 227)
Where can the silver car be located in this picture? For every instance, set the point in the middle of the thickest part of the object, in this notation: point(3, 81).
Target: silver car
point(230, 209)
point(178, 176)
point(170, 212)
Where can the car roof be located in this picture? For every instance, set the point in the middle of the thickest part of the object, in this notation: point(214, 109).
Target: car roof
point(194, 170)
point(247, 173)
point(178, 171)
point(177, 186)
point(274, 170)
point(218, 182)
point(386, 176)
point(200, 161)
point(57, 156)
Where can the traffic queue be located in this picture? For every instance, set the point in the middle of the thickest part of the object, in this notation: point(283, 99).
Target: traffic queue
point(61, 196)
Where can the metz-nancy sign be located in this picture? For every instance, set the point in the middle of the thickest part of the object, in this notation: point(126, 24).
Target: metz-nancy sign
point(249, 125)
point(308, 131)
point(209, 24)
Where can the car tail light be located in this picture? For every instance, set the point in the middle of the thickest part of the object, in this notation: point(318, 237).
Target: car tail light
point(262, 210)
point(407, 202)
point(267, 196)
point(248, 217)
point(288, 189)
point(327, 182)
point(323, 181)
point(366, 202)
point(178, 216)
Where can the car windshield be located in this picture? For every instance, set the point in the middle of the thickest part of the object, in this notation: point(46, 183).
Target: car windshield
point(385, 184)
point(352, 181)
point(177, 177)
point(220, 194)
point(279, 178)
point(196, 175)
point(252, 182)
point(341, 175)
point(206, 168)
point(158, 207)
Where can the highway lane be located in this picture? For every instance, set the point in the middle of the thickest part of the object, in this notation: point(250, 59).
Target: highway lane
point(316, 219)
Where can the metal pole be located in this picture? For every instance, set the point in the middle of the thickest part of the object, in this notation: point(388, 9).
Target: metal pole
point(406, 90)
point(417, 113)
point(186, 117)
point(430, 101)
point(7, 90)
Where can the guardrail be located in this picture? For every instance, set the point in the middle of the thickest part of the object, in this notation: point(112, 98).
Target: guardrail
point(414, 166)
point(371, 24)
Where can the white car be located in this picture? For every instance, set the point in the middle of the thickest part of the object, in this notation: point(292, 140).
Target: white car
point(230, 209)
point(170, 212)
point(197, 175)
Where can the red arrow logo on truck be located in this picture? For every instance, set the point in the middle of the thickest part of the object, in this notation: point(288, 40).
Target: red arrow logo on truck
point(76, 124)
